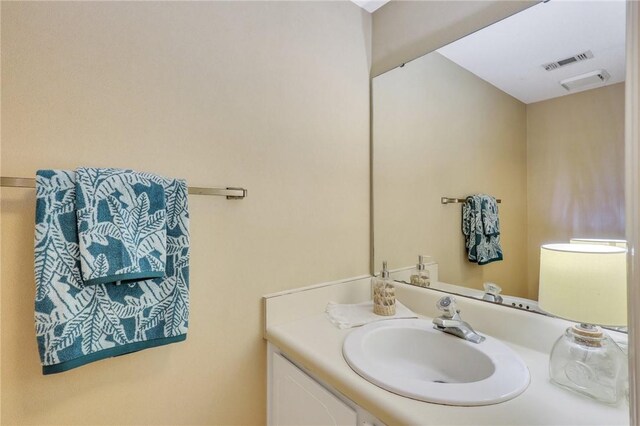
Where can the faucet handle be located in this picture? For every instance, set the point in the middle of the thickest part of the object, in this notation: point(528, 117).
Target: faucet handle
point(447, 304)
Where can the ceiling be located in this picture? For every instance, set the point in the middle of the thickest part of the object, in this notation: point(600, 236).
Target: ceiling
point(370, 5)
point(510, 53)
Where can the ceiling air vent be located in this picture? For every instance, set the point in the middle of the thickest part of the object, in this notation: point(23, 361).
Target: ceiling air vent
point(581, 81)
point(567, 61)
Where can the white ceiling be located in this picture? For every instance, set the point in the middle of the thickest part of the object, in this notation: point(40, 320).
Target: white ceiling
point(370, 5)
point(510, 53)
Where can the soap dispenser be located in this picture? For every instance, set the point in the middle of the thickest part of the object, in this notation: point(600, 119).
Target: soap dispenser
point(384, 293)
point(420, 275)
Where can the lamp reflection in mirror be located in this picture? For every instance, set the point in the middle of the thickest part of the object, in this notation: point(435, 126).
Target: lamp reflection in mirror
point(586, 283)
point(600, 241)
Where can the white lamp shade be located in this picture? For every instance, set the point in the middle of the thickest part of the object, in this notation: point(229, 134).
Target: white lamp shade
point(585, 283)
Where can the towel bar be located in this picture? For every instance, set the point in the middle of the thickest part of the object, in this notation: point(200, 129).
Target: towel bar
point(447, 200)
point(230, 193)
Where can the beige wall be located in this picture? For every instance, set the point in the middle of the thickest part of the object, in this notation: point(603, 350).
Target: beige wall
point(405, 30)
point(439, 130)
point(632, 200)
point(272, 96)
point(575, 169)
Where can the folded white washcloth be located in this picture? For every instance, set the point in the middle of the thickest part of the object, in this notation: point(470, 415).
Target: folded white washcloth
point(347, 316)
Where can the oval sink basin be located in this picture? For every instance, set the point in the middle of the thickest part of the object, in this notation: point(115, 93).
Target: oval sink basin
point(410, 358)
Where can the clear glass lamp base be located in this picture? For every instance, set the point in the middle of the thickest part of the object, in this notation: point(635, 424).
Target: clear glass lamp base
point(587, 361)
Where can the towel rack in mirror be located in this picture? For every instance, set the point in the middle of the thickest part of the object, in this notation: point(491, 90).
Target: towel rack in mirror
point(447, 200)
point(230, 193)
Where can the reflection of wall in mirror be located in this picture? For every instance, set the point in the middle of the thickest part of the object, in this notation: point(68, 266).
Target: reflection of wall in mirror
point(438, 130)
point(575, 170)
point(441, 131)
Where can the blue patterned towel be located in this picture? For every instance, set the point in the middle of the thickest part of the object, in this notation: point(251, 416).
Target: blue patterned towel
point(481, 228)
point(77, 324)
point(121, 225)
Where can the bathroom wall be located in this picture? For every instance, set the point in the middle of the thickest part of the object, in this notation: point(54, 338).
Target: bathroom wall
point(575, 170)
point(272, 96)
point(405, 30)
point(439, 130)
point(632, 195)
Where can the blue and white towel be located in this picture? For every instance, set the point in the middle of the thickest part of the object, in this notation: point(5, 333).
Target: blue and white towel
point(77, 324)
point(481, 228)
point(121, 225)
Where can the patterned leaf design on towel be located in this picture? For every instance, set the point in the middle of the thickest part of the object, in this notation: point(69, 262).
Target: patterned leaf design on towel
point(73, 320)
point(66, 252)
point(127, 270)
point(183, 261)
point(176, 244)
point(69, 307)
point(45, 266)
point(44, 324)
point(65, 205)
point(99, 233)
point(121, 220)
point(155, 263)
point(176, 201)
point(116, 330)
point(65, 307)
point(150, 243)
point(140, 232)
point(159, 298)
point(84, 215)
point(89, 178)
point(152, 237)
point(132, 301)
point(154, 224)
point(72, 330)
point(101, 265)
point(118, 183)
point(128, 310)
point(140, 213)
point(61, 181)
point(91, 329)
point(178, 311)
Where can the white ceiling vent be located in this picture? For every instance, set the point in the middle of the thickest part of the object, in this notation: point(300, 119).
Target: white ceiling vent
point(568, 61)
point(589, 79)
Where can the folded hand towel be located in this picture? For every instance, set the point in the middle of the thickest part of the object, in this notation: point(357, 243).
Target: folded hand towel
point(77, 324)
point(481, 228)
point(121, 225)
point(489, 214)
point(354, 315)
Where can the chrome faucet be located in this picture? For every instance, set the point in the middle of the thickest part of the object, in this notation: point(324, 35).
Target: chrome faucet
point(492, 292)
point(450, 321)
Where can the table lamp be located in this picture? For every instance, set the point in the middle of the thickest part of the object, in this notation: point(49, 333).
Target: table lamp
point(588, 284)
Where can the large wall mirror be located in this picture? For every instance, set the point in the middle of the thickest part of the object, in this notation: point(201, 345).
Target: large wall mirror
point(529, 110)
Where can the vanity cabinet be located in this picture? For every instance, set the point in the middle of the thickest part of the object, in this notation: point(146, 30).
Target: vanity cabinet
point(297, 399)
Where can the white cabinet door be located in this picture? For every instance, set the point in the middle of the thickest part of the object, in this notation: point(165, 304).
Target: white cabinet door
point(298, 400)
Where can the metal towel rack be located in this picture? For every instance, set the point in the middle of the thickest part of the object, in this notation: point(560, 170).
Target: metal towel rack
point(230, 193)
point(447, 200)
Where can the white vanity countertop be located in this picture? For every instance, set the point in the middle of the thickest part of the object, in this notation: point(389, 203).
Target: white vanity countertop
point(307, 337)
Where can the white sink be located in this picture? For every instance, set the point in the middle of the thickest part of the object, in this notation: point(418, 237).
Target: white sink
point(410, 358)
